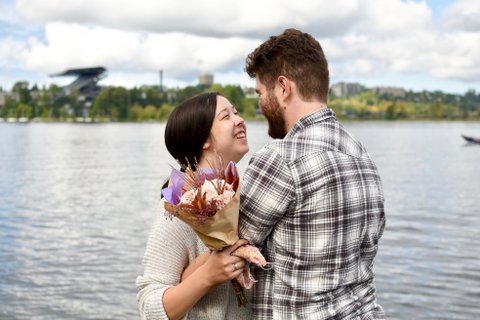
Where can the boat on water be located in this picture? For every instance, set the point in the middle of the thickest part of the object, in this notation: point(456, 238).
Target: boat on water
point(471, 139)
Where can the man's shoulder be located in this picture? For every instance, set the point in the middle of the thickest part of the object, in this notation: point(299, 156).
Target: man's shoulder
point(272, 148)
point(269, 155)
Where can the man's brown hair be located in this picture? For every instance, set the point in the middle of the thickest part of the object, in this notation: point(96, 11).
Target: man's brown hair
point(295, 55)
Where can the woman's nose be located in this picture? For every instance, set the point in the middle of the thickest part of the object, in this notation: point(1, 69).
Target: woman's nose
point(239, 120)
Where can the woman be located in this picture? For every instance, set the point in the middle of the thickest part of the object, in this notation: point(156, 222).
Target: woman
point(197, 130)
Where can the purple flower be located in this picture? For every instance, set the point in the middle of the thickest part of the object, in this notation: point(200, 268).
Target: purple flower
point(209, 173)
point(173, 193)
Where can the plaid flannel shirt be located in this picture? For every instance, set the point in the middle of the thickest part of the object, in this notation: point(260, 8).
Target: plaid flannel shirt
point(314, 202)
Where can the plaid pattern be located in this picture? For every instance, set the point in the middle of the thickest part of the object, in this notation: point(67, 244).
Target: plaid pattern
point(314, 202)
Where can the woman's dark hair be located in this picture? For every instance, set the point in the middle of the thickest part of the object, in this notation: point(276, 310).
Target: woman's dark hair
point(188, 127)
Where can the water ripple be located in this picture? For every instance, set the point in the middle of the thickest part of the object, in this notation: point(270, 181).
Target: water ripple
point(77, 203)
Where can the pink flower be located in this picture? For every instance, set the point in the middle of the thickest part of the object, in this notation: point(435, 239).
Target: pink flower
point(208, 198)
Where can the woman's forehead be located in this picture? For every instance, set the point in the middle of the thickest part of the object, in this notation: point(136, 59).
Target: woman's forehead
point(223, 103)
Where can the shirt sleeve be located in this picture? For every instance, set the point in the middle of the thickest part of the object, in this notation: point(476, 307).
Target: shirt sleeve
point(166, 256)
point(267, 192)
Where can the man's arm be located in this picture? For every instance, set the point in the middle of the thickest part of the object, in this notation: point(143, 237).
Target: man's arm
point(267, 192)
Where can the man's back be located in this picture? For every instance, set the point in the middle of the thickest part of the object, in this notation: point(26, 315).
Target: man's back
point(315, 198)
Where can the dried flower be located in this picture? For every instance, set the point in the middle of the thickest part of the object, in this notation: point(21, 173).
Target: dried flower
point(208, 200)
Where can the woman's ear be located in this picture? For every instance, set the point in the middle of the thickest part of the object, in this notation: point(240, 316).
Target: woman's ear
point(207, 143)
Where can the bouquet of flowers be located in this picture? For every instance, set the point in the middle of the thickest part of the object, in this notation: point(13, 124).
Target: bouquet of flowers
point(208, 200)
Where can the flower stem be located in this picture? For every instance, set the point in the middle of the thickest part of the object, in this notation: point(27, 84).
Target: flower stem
point(239, 293)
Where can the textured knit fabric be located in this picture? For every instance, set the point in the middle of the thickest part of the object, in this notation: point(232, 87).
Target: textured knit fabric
point(171, 247)
point(314, 202)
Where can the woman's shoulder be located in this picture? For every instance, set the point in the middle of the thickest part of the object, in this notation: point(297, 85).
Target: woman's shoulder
point(170, 226)
point(173, 232)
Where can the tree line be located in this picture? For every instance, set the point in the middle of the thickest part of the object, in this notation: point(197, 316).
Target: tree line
point(153, 104)
point(423, 105)
point(112, 103)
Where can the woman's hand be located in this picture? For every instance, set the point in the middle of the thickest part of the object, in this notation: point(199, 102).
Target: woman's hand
point(207, 271)
point(221, 266)
point(217, 267)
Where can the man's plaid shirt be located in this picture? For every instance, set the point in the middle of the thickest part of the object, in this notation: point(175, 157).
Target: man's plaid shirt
point(314, 202)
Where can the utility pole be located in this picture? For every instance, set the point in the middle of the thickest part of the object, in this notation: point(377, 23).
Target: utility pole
point(161, 81)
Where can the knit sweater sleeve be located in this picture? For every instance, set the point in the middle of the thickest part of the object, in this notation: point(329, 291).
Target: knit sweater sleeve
point(166, 256)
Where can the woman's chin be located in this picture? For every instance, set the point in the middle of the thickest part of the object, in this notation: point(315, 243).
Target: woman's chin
point(240, 157)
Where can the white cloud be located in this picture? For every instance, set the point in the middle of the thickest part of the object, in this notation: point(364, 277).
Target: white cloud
point(393, 18)
point(459, 57)
point(74, 46)
point(463, 15)
point(182, 53)
point(361, 38)
point(71, 46)
point(207, 18)
point(401, 38)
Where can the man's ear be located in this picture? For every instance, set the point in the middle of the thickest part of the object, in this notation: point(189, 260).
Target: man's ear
point(285, 86)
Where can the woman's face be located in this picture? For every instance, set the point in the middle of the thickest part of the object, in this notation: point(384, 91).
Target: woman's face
point(228, 136)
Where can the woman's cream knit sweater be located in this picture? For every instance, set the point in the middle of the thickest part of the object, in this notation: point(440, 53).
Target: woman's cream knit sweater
point(171, 246)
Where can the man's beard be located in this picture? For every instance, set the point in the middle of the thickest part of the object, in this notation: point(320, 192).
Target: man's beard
point(272, 110)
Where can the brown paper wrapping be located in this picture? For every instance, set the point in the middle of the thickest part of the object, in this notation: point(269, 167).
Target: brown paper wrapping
point(218, 231)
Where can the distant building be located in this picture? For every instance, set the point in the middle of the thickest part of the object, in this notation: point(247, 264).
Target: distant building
point(86, 84)
point(391, 91)
point(205, 78)
point(250, 92)
point(346, 89)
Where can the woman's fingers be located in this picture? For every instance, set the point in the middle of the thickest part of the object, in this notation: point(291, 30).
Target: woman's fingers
point(239, 265)
point(237, 270)
point(232, 266)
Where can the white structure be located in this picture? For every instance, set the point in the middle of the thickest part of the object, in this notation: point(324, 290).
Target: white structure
point(205, 78)
point(346, 89)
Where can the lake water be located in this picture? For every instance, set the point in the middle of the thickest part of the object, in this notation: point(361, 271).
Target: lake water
point(77, 202)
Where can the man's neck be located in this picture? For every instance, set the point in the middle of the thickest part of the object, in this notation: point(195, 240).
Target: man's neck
point(294, 113)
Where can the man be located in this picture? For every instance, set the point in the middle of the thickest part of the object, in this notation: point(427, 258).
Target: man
point(312, 198)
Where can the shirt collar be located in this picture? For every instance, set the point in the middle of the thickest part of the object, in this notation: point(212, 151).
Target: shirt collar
point(310, 119)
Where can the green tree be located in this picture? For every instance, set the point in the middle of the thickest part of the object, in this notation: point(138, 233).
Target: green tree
point(469, 103)
point(185, 93)
point(109, 99)
point(24, 111)
point(135, 112)
point(391, 112)
point(164, 111)
point(9, 110)
point(149, 113)
point(20, 88)
point(56, 102)
point(120, 100)
point(249, 111)
point(235, 95)
point(436, 109)
point(100, 105)
point(403, 112)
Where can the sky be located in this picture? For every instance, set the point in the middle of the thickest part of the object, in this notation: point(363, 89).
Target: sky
point(417, 45)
